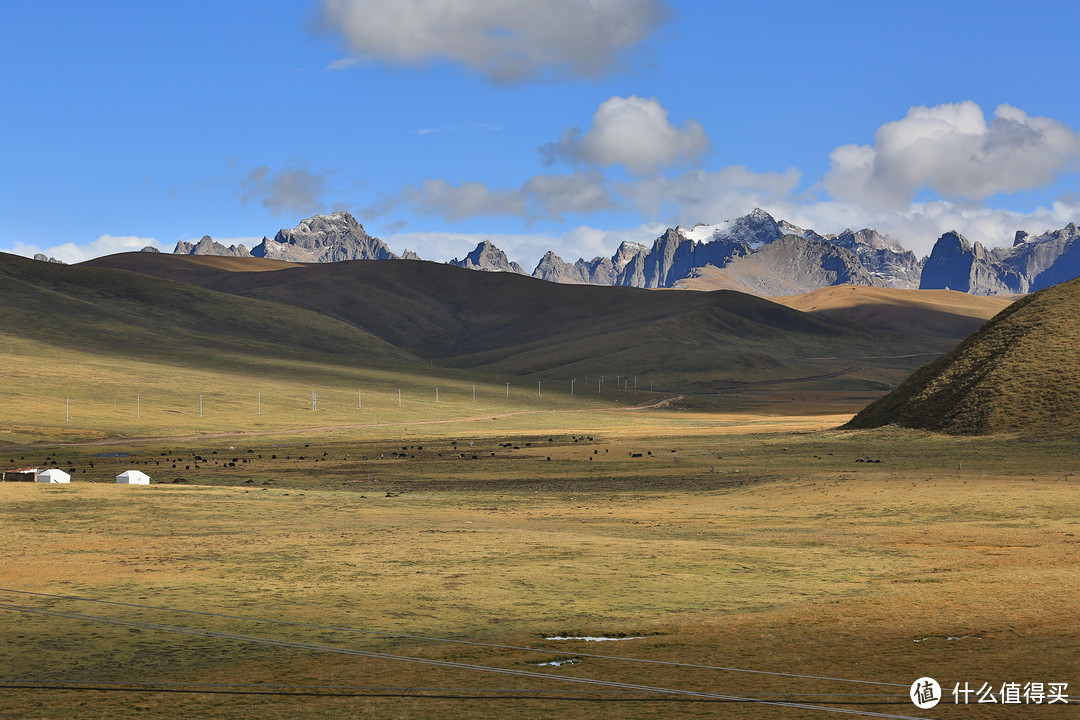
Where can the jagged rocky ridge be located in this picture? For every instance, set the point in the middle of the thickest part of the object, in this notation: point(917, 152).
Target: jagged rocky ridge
point(1031, 264)
point(488, 258)
point(754, 253)
point(322, 238)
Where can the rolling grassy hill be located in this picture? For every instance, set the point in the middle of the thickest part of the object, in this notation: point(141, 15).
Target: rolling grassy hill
point(159, 344)
point(945, 313)
point(114, 311)
point(504, 323)
point(1020, 372)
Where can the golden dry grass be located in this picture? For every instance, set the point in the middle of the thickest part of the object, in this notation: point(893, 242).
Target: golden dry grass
point(1017, 373)
point(764, 546)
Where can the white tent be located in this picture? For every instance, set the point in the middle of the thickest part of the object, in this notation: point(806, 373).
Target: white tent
point(53, 476)
point(133, 477)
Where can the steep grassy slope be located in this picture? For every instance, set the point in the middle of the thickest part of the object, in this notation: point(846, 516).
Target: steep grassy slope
point(1020, 372)
point(506, 323)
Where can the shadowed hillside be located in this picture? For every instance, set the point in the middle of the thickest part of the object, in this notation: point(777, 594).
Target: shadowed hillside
point(1019, 373)
point(946, 313)
point(507, 323)
point(117, 312)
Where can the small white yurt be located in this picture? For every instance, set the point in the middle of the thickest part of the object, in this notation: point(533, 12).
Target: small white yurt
point(54, 475)
point(133, 477)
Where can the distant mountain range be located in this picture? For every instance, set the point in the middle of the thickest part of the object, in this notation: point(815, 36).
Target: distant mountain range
point(755, 254)
point(319, 239)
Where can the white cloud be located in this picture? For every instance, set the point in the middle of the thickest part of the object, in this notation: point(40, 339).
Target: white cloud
point(587, 242)
point(633, 132)
point(503, 39)
point(542, 196)
point(295, 190)
point(105, 245)
point(952, 150)
point(709, 196)
point(457, 202)
point(577, 193)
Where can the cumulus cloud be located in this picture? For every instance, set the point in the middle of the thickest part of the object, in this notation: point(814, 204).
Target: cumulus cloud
point(633, 132)
point(295, 190)
point(953, 151)
point(505, 40)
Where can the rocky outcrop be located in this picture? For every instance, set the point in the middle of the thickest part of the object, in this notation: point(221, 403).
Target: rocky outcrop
point(888, 263)
point(681, 253)
point(1031, 264)
point(324, 238)
point(489, 258)
point(554, 269)
point(150, 249)
point(42, 257)
point(792, 265)
point(1047, 259)
point(208, 246)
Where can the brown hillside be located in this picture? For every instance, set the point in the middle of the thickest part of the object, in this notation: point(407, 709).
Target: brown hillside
point(1019, 373)
point(937, 312)
point(509, 323)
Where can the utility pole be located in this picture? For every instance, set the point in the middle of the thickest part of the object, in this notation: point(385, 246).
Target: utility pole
point(537, 388)
point(436, 396)
point(507, 391)
point(399, 397)
point(474, 393)
point(138, 407)
point(200, 406)
point(259, 400)
point(359, 399)
point(67, 409)
point(572, 386)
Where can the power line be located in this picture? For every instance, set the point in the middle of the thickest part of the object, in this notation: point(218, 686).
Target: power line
point(439, 663)
point(409, 693)
point(450, 640)
point(516, 694)
point(275, 686)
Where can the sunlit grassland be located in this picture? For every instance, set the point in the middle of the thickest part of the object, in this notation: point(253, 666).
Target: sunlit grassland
point(53, 394)
point(767, 547)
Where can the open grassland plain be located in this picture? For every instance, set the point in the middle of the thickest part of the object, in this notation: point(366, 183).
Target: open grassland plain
point(60, 394)
point(765, 542)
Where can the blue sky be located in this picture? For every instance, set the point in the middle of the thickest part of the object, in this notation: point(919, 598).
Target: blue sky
point(570, 125)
